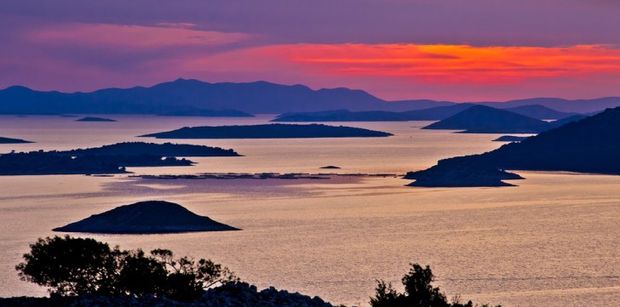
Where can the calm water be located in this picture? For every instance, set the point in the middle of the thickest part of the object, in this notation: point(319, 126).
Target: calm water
point(551, 241)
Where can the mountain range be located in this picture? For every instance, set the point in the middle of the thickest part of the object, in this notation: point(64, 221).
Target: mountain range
point(198, 97)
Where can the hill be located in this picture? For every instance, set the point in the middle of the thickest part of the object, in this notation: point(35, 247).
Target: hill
point(483, 119)
point(567, 120)
point(583, 106)
point(145, 218)
point(270, 131)
point(590, 145)
point(539, 112)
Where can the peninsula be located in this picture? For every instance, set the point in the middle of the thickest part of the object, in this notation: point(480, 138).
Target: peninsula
point(109, 159)
point(588, 145)
point(4, 140)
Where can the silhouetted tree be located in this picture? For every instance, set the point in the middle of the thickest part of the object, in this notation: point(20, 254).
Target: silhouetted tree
point(419, 292)
point(75, 266)
point(71, 266)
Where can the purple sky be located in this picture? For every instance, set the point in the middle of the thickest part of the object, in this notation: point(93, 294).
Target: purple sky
point(442, 49)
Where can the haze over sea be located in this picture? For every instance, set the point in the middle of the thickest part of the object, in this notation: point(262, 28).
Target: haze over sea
point(551, 241)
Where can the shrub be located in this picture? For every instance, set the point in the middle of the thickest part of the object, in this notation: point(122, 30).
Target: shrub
point(76, 266)
point(419, 292)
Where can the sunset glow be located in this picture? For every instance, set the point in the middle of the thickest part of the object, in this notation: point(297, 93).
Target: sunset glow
point(394, 50)
point(455, 63)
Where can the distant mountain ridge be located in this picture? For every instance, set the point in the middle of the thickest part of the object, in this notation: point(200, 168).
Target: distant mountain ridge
point(181, 95)
point(196, 97)
point(563, 105)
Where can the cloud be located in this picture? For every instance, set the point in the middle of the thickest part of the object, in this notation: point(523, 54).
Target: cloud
point(454, 63)
point(136, 37)
point(473, 22)
point(391, 71)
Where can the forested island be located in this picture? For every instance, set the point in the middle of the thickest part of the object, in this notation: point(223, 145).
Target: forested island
point(110, 159)
point(269, 131)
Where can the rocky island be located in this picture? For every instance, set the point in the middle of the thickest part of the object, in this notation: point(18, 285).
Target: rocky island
point(588, 145)
point(148, 217)
point(94, 119)
point(269, 131)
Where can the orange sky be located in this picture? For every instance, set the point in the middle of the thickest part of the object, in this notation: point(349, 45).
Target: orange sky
point(103, 55)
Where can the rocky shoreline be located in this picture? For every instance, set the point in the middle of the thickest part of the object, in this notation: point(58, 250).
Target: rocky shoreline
point(230, 295)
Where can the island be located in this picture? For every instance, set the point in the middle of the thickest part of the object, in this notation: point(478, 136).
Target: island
point(589, 145)
point(267, 131)
point(483, 119)
point(94, 119)
point(206, 113)
point(461, 175)
point(162, 150)
point(510, 138)
point(5, 140)
point(434, 113)
point(330, 167)
point(109, 159)
point(57, 163)
point(148, 217)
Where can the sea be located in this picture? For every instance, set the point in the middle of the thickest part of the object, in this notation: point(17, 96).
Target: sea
point(551, 240)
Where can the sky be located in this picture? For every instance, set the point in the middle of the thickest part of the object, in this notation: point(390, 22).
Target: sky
point(459, 50)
